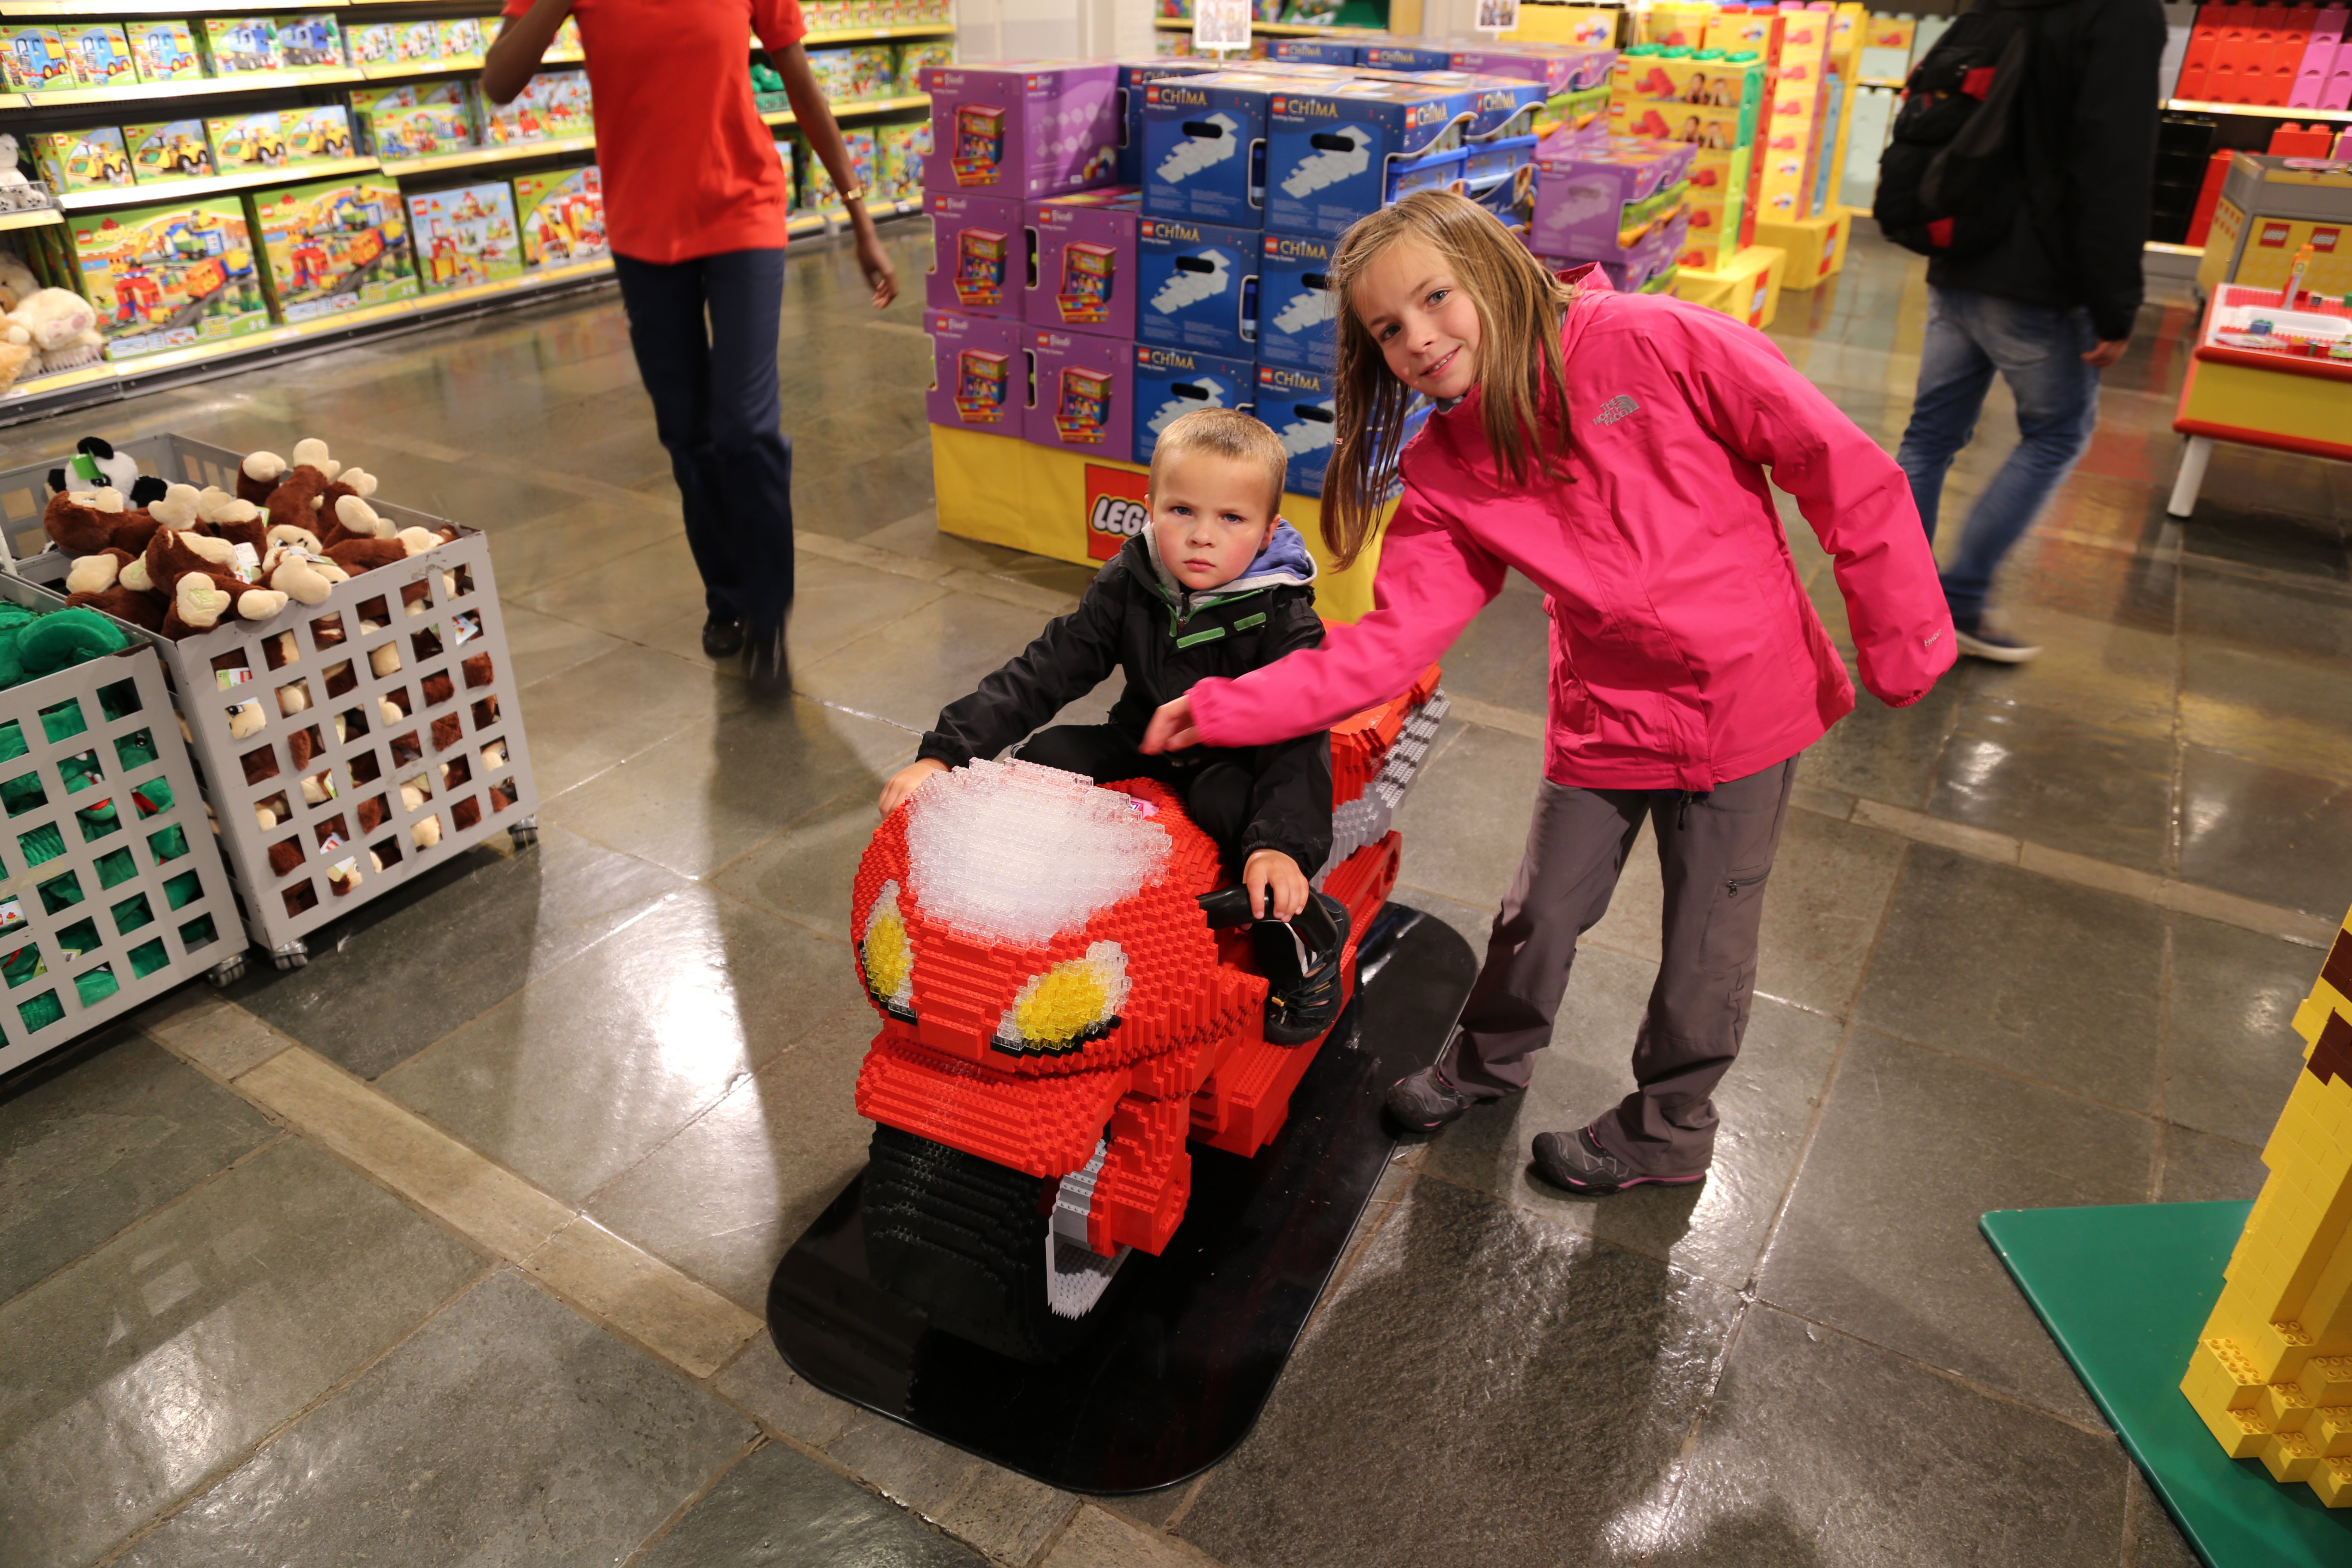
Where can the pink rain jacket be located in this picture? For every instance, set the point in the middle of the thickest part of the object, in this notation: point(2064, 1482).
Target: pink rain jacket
point(1684, 651)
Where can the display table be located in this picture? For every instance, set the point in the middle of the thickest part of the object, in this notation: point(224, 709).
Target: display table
point(2288, 397)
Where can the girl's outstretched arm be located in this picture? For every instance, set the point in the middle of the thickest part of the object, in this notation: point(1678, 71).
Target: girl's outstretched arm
point(1430, 583)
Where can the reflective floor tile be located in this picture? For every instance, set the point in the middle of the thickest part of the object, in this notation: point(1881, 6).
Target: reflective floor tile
point(778, 1508)
point(1007, 1516)
point(759, 1383)
point(833, 603)
point(2037, 775)
point(918, 534)
point(614, 706)
point(1823, 1452)
point(2230, 1050)
point(2038, 977)
point(533, 554)
point(509, 1430)
point(576, 1077)
point(541, 646)
point(2265, 833)
point(805, 873)
point(82, 1156)
point(623, 594)
point(2120, 677)
point(2199, 1169)
point(2288, 712)
point(1880, 1237)
point(1465, 822)
point(1484, 1388)
point(130, 1378)
point(1880, 752)
point(909, 669)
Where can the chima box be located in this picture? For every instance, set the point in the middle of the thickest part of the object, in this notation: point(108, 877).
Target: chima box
point(1404, 58)
point(1317, 51)
point(1205, 147)
point(980, 373)
point(1296, 311)
point(1082, 394)
point(1595, 196)
point(1335, 156)
point(980, 254)
point(1134, 76)
point(1085, 276)
point(1022, 130)
point(1298, 406)
point(1196, 286)
point(1172, 382)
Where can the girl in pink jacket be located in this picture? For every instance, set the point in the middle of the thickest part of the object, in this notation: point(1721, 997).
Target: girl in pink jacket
point(1612, 448)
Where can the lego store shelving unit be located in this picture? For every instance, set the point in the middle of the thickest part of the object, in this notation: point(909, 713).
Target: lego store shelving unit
point(226, 182)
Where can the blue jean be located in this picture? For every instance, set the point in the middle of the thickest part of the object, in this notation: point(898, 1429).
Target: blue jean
point(2038, 350)
point(704, 332)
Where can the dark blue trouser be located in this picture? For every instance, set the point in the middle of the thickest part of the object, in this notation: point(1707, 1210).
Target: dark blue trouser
point(705, 336)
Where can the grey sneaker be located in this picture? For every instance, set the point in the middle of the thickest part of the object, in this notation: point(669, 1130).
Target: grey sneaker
point(1985, 638)
point(1577, 1161)
point(1424, 1101)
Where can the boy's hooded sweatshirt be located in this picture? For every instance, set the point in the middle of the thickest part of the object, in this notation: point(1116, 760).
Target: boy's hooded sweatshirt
point(1135, 617)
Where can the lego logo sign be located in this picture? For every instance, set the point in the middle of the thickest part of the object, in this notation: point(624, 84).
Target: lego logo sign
point(1114, 510)
point(2275, 235)
point(2323, 240)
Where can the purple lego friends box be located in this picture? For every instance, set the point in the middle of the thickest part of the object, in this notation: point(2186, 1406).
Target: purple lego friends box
point(1022, 130)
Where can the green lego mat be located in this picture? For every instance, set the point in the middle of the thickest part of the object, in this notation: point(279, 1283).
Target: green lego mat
point(2125, 1290)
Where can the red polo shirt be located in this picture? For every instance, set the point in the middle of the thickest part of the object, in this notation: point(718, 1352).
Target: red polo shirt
point(689, 168)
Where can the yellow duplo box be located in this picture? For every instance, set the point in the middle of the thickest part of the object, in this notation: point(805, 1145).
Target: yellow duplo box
point(1587, 26)
point(1816, 246)
point(1674, 23)
point(1747, 286)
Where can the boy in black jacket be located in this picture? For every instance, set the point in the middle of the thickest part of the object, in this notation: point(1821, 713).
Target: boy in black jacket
point(1218, 586)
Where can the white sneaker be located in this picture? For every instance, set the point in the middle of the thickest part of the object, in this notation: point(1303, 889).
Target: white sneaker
point(1990, 640)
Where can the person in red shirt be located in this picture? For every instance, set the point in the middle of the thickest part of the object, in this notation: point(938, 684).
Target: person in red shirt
point(695, 199)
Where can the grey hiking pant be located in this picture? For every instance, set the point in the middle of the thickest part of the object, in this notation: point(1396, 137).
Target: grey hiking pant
point(1714, 851)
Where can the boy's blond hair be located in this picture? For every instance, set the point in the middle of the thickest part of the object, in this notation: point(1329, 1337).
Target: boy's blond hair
point(1230, 433)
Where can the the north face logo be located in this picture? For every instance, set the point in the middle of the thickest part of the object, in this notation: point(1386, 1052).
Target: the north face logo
point(1616, 408)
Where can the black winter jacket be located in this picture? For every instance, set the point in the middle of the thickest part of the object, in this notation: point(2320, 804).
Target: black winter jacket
point(1130, 618)
point(2088, 143)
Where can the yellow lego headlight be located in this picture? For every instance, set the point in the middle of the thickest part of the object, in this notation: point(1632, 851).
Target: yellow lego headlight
point(887, 957)
point(1075, 1001)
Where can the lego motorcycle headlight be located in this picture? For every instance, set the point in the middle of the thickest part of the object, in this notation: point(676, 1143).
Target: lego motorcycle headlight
point(887, 956)
point(1075, 1001)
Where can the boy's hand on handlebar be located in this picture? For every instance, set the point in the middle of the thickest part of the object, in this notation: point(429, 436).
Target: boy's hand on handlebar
point(1172, 730)
point(908, 779)
point(1272, 872)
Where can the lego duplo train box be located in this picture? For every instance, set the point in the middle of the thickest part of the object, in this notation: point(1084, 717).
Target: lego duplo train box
point(980, 372)
point(1333, 157)
point(100, 53)
point(311, 40)
point(171, 277)
point(1196, 286)
point(1022, 130)
point(238, 46)
point(1296, 311)
point(92, 160)
point(336, 245)
point(1134, 76)
point(464, 235)
point(1172, 382)
point(169, 150)
point(1084, 279)
point(979, 255)
point(1082, 394)
point(33, 59)
point(1702, 98)
point(1594, 196)
point(561, 214)
point(163, 51)
point(1205, 147)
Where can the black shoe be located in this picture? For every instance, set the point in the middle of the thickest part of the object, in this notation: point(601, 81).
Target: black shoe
point(768, 664)
point(1423, 1101)
point(722, 636)
point(1301, 960)
point(1577, 1162)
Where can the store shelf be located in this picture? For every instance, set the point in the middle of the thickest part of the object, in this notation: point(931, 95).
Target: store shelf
point(403, 70)
point(210, 87)
point(475, 157)
point(857, 108)
point(1271, 29)
point(875, 34)
point(1878, 81)
point(36, 218)
point(2266, 111)
point(245, 180)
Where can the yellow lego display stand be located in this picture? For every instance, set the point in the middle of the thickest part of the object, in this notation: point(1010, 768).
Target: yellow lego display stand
point(1816, 246)
point(1748, 286)
point(2272, 1373)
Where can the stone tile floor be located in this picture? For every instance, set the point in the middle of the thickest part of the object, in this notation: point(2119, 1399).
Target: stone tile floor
point(450, 1248)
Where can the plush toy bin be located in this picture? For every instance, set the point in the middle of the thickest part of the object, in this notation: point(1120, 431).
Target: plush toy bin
point(111, 890)
point(428, 759)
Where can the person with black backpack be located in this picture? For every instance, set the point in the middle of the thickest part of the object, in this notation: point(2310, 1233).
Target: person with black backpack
point(2021, 164)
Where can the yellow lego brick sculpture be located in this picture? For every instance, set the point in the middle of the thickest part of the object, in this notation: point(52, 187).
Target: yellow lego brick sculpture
point(2271, 1375)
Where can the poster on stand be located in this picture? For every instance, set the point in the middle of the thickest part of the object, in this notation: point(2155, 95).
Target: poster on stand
point(1498, 16)
point(1221, 26)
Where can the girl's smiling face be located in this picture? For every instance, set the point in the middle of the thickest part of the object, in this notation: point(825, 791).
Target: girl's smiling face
point(1410, 301)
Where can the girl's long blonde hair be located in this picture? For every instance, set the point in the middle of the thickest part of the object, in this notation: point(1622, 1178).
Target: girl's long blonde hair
point(1520, 370)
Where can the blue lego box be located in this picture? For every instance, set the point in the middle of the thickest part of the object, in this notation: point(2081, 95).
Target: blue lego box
point(1501, 176)
point(1196, 286)
point(1404, 58)
point(1334, 155)
point(1320, 51)
point(1296, 309)
point(1134, 76)
point(1172, 382)
point(1297, 404)
point(1205, 147)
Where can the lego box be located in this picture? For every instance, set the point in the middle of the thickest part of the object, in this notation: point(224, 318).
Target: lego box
point(1022, 130)
point(822, 196)
point(1333, 157)
point(92, 160)
point(980, 372)
point(33, 59)
point(171, 277)
point(336, 245)
point(1816, 248)
point(242, 142)
point(373, 43)
point(420, 131)
point(979, 255)
point(1196, 286)
point(560, 212)
point(1083, 393)
point(464, 235)
point(1205, 147)
point(307, 41)
point(164, 51)
point(1594, 196)
point(898, 155)
point(1746, 288)
point(1172, 382)
point(173, 150)
point(239, 46)
point(1134, 76)
point(317, 132)
point(458, 38)
point(99, 53)
point(1085, 277)
point(1298, 405)
point(1296, 312)
point(1404, 58)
